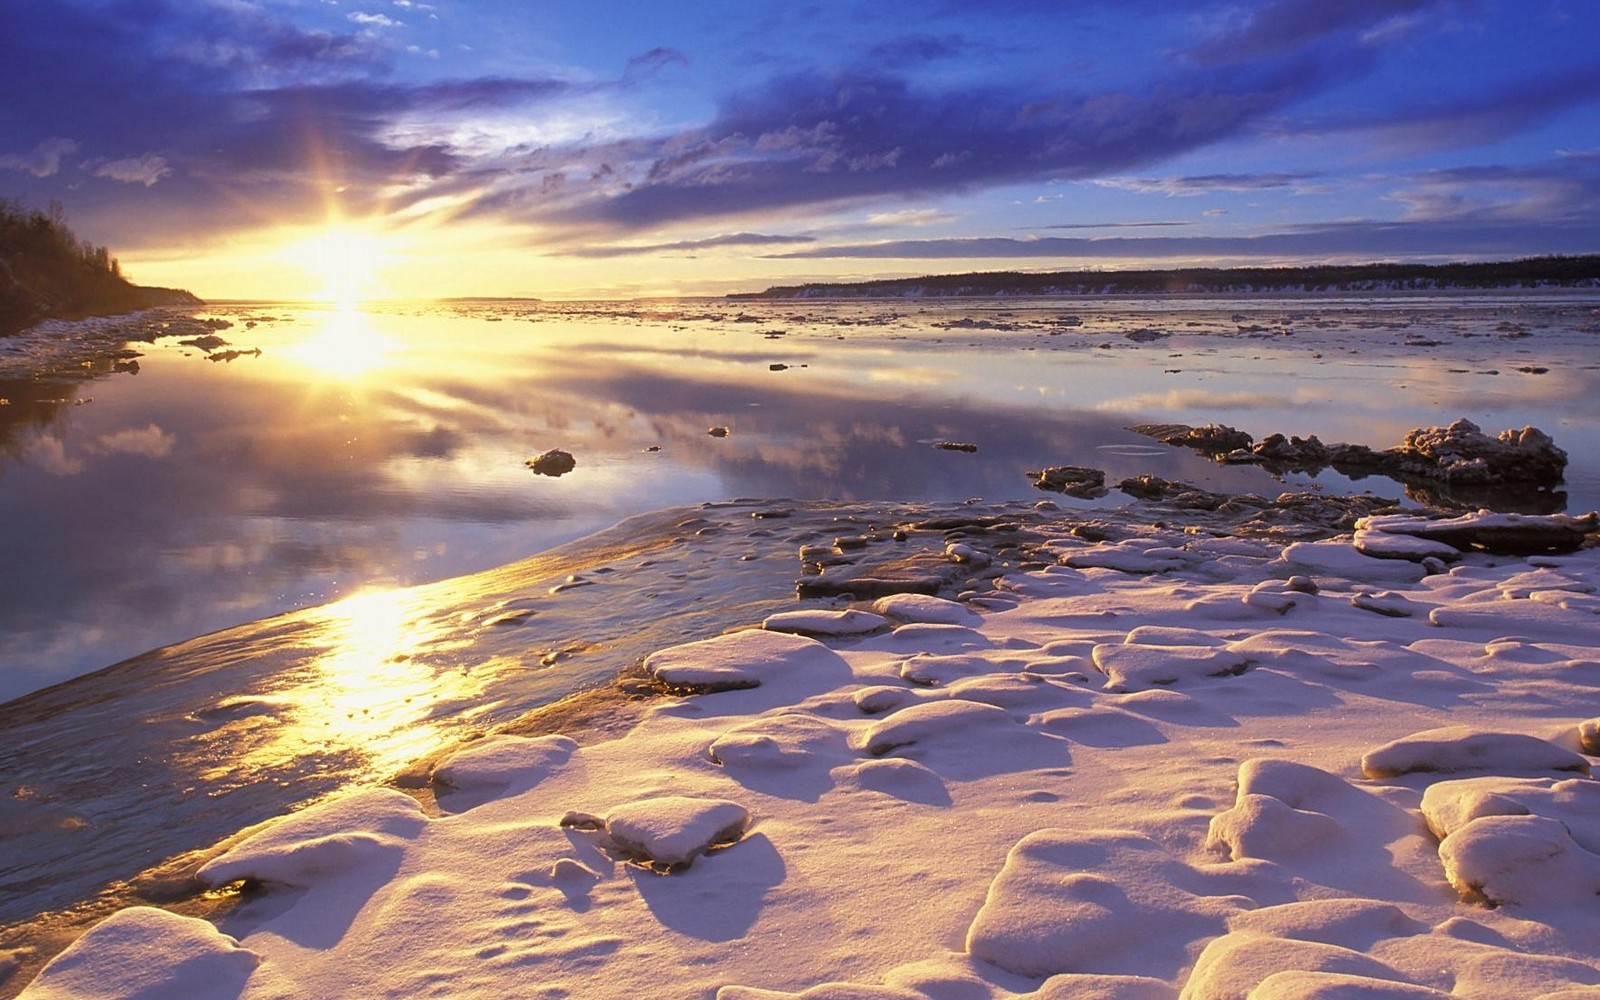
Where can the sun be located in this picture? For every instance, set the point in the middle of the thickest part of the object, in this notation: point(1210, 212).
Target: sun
point(343, 263)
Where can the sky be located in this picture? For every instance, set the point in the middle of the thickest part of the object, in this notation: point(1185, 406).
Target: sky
point(275, 149)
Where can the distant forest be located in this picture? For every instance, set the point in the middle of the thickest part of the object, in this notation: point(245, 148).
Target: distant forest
point(1528, 272)
point(46, 272)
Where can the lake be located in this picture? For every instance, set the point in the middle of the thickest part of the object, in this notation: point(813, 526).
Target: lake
point(387, 447)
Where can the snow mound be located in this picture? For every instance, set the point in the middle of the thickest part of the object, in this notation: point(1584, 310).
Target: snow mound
point(1343, 559)
point(777, 741)
point(143, 953)
point(1385, 545)
point(881, 698)
point(1450, 805)
point(323, 840)
point(1302, 985)
point(1131, 664)
point(673, 830)
point(1352, 923)
point(951, 721)
point(1106, 901)
point(503, 761)
point(1520, 860)
point(1100, 727)
point(1071, 986)
point(1232, 966)
point(850, 621)
point(926, 609)
point(1130, 557)
point(1453, 749)
point(824, 991)
point(737, 660)
point(1275, 813)
point(936, 669)
point(896, 776)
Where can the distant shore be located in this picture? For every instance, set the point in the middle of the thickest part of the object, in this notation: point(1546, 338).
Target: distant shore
point(1537, 273)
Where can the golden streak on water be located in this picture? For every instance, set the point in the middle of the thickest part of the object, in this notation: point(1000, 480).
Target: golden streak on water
point(372, 690)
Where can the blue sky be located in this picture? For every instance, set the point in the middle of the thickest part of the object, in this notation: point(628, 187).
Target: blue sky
point(498, 147)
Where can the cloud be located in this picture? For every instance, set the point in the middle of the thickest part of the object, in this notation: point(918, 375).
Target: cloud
point(729, 240)
point(44, 160)
point(814, 141)
point(1188, 187)
point(1285, 26)
point(911, 217)
point(146, 169)
point(1114, 225)
point(656, 60)
point(372, 20)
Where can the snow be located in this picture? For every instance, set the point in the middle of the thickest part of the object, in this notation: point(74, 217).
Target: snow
point(1166, 766)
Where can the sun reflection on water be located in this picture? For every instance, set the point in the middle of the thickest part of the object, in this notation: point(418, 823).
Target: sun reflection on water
point(345, 346)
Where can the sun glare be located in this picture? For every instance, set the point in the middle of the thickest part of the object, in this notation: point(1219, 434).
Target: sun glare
point(343, 264)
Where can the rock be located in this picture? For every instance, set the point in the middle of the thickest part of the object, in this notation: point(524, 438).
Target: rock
point(1462, 453)
point(554, 462)
point(1498, 534)
point(1073, 480)
point(1212, 439)
point(965, 446)
point(671, 831)
point(717, 432)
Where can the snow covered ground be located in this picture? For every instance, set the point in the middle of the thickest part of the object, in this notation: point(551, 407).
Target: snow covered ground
point(1167, 763)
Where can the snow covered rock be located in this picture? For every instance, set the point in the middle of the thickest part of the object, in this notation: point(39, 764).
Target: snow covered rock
point(951, 720)
point(1232, 966)
point(1131, 558)
point(927, 609)
point(1351, 923)
point(1131, 664)
point(1453, 749)
point(671, 831)
point(1589, 737)
point(1275, 813)
point(1393, 545)
point(849, 621)
point(776, 741)
point(1102, 902)
point(323, 840)
point(1520, 860)
point(736, 660)
point(502, 762)
point(1084, 986)
point(1343, 559)
point(1297, 984)
point(144, 953)
point(1501, 534)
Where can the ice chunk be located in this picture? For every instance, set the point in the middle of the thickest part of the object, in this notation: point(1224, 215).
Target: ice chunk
point(1343, 559)
point(503, 761)
point(737, 660)
point(1232, 966)
point(1519, 860)
point(927, 609)
point(322, 840)
point(143, 953)
point(1453, 749)
point(1099, 901)
point(849, 621)
point(672, 830)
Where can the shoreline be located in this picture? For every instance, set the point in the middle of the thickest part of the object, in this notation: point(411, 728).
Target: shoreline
point(596, 711)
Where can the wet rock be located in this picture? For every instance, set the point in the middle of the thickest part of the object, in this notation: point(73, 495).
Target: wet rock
point(717, 432)
point(554, 462)
point(1212, 439)
point(1073, 480)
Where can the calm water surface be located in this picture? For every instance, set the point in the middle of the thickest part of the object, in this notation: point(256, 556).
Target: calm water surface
point(387, 447)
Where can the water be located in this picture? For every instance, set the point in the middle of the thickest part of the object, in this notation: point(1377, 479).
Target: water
point(360, 453)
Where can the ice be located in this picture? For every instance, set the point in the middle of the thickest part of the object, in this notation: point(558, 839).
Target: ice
point(849, 621)
point(144, 953)
point(1453, 749)
point(512, 763)
point(322, 841)
point(927, 609)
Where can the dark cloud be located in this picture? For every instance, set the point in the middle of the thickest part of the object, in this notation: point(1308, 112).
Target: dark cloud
point(812, 141)
point(680, 246)
point(657, 59)
point(911, 50)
